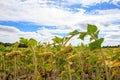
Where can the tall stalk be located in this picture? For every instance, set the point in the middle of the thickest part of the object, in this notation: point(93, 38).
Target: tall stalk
point(82, 67)
point(4, 65)
point(35, 62)
point(69, 70)
point(105, 66)
point(15, 68)
point(67, 40)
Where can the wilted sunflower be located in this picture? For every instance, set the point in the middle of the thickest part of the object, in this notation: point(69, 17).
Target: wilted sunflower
point(72, 57)
point(13, 53)
point(45, 54)
point(66, 50)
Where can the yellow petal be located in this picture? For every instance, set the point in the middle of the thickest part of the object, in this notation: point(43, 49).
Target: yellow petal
point(116, 64)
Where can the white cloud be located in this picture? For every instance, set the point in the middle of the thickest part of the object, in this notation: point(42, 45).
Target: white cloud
point(39, 12)
point(86, 3)
point(51, 15)
point(12, 34)
point(116, 2)
point(8, 29)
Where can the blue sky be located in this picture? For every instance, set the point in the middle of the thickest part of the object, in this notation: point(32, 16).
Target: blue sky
point(44, 19)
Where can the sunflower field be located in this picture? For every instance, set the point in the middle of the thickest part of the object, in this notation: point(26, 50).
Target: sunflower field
point(60, 60)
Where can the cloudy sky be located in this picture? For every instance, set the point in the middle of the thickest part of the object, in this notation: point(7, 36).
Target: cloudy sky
point(44, 19)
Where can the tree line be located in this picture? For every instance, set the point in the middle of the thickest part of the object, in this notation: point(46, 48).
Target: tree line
point(21, 45)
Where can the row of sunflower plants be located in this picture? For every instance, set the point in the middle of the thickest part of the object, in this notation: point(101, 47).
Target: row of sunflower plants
point(60, 60)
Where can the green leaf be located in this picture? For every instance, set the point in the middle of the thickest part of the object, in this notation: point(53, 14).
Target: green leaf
point(23, 40)
point(16, 44)
point(91, 29)
point(91, 69)
point(74, 32)
point(96, 44)
point(116, 56)
point(82, 35)
point(2, 48)
point(57, 39)
point(91, 38)
point(93, 59)
point(96, 34)
point(32, 42)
